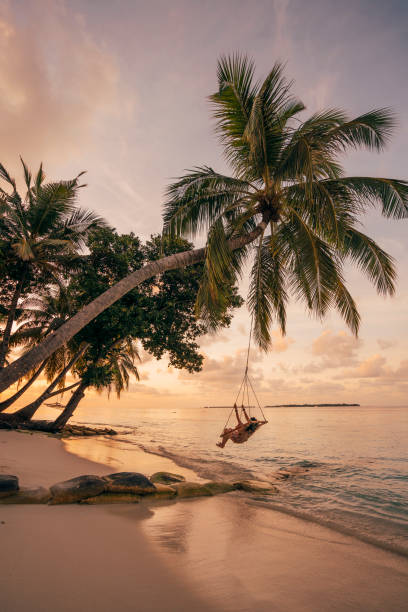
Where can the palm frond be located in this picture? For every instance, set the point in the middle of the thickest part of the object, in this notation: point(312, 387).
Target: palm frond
point(391, 194)
point(306, 155)
point(221, 268)
point(199, 198)
point(376, 264)
point(346, 306)
point(39, 178)
point(319, 262)
point(27, 174)
point(5, 176)
point(271, 108)
point(232, 105)
point(267, 297)
point(372, 130)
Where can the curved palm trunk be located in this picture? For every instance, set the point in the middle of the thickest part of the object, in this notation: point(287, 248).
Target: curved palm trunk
point(64, 390)
point(26, 413)
point(10, 320)
point(70, 408)
point(64, 333)
point(8, 402)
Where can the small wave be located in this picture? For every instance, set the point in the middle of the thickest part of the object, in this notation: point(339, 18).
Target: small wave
point(209, 469)
point(355, 532)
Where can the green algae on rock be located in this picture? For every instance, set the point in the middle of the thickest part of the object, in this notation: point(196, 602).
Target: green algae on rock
point(166, 478)
point(128, 482)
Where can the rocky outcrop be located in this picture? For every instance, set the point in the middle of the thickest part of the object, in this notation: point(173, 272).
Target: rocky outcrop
point(123, 488)
point(219, 487)
point(166, 478)
point(40, 495)
point(84, 430)
point(128, 482)
point(192, 489)
point(8, 485)
point(112, 498)
point(76, 489)
point(163, 492)
point(255, 486)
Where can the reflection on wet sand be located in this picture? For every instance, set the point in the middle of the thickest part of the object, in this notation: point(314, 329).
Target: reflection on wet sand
point(123, 455)
point(252, 558)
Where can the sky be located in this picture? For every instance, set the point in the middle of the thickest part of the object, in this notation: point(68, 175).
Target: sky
point(120, 88)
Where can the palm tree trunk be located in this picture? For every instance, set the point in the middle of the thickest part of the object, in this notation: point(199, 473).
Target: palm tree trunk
point(64, 390)
point(27, 413)
point(8, 402)
point(89, 312)
point(10, 320)
point(70, 408)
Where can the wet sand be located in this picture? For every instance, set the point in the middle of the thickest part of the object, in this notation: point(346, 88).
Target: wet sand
point(222, 553)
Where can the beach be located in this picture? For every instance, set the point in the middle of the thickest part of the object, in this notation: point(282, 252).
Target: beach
point(219, 553)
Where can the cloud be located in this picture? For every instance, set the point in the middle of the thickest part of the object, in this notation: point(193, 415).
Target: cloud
point(376, 367)
point(226, 371)
point(280, 343)
point(385, 344)
point(335, 349)
point(210, 339)
point(55, 80)
point(141, 388)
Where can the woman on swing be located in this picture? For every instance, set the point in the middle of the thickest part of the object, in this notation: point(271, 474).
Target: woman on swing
point(242, 431)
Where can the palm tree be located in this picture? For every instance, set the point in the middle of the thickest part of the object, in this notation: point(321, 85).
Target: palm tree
point(39, 234)
point(287, 192)
point(111, 372)
point(40, 316)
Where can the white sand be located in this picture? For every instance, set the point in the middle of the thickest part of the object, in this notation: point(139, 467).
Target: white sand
point(209, 554)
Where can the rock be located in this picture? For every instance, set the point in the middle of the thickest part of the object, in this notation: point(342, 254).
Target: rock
point(191, 489)
point(76, 489)
point(8, 485)
point(163, 492)
point(128, 482)
point(113, 498)
point(217, 488)
point(256, 486)
point(166, 478)
point(40, 495)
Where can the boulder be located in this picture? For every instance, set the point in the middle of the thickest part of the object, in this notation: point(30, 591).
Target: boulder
point(191, 489)
point(166, 478)
point(76, 489)
point(219, 487)
point(113, 498)
point(40, 495)
point(256, 486)
point(8, 485)
point(163, 491)
point(128, 482)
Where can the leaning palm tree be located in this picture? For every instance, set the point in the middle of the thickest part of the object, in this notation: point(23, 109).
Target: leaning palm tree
point(41, 316)
point(40, 234)
point(287, 194)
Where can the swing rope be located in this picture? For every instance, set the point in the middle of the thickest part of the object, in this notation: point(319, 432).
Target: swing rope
point(246, 384)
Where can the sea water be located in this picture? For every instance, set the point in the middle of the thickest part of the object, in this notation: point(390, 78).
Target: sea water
point(349, 464)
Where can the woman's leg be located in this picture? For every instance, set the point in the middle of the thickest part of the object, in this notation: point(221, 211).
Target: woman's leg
point(224, 440)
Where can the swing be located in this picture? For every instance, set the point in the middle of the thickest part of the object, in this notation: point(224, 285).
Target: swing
point(55, 404)
point(247, 423)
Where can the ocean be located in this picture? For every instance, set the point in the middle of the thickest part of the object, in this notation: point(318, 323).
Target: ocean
point(349, 465)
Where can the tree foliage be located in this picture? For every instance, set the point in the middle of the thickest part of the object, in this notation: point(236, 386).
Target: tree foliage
point(288, 171)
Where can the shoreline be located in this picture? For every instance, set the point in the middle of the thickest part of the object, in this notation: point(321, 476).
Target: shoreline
point(246, 552)
point(201, 470)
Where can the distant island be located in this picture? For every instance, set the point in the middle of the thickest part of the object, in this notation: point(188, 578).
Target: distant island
point(292, 405)
point(307, 405)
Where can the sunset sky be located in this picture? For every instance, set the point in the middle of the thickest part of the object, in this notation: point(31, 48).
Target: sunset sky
point(119, 88)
